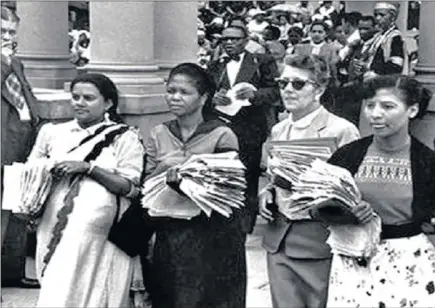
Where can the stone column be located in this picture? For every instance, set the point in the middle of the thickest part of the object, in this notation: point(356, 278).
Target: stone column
point(402, 19)
point(364, 7)
point(122, 47)
point(43, 43)
point(424, 129)
point(175, 39)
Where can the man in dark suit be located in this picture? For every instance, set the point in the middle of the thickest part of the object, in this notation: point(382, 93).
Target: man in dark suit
point(19, 121)
point(235, 66)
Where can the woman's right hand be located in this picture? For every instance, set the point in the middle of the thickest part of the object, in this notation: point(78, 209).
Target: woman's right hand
point(265, 200)
point(363, 212)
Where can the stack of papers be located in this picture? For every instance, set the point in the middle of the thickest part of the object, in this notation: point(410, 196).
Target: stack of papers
point(27, 186)
point(213, 182)
point(289, 159)
point(322, 182)
point(355, 240)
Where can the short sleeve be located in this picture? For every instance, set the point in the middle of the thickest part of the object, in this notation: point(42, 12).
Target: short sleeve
point(151, 153)
point(129, 152)
point(227, 142)
point(42, 146)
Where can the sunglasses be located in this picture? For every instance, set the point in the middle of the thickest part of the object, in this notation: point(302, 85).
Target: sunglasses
point(297, 83)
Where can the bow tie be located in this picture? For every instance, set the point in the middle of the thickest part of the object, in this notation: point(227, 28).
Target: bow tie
point(230, 58)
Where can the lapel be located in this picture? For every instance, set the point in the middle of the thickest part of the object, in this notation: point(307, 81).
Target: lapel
point(17, 68)
point(319, 122)
point(221, 76)
point(248, 68)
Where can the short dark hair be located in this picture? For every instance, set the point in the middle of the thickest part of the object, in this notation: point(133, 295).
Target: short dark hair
point(276, 33)
point(412, 91)
point(203, 83)
point(295, 30)
point(320, 23)
point(9, 15)
point(368, 18)
point(106, 87)
point(239, 24)
point(353, 18)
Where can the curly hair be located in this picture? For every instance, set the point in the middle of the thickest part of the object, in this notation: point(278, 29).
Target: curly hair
point(317, 65)
point(410, 90)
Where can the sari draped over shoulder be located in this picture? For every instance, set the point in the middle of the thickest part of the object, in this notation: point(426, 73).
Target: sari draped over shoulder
point(76, 264)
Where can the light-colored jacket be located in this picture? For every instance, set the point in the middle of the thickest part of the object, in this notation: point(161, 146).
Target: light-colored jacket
point(306, 238)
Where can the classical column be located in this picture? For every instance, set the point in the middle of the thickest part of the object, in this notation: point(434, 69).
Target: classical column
point(122, 47)
point(175, 39)
point(364, 7)
point(43, 43)
point(425, 129)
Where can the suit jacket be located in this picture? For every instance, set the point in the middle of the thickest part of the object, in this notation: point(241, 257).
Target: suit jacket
point(17, 136)
point(260, 70)
point(306, 239)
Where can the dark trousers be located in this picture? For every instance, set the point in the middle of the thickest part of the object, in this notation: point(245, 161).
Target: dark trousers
point(14, 247)
point(251, 158)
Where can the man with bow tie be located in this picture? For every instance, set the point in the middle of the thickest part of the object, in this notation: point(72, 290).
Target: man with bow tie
point(19, 121)
point(259, 70)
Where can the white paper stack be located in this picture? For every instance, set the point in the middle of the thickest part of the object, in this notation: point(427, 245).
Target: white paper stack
point(236, 104)
point(289, 159)
point(214, 182)
point(27, 186)
point(355, 240)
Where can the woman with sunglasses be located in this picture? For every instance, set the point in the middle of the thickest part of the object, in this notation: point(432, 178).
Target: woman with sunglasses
point(396, 176)
point(298, 258)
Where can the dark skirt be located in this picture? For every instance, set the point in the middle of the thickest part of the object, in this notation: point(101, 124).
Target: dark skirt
point(199, 263)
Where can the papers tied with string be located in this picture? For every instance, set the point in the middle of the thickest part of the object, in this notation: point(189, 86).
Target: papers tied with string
point(213, 182)
point(27, 186)
point(315, 183)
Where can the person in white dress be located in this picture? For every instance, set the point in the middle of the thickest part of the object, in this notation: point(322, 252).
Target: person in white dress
point(76, 263)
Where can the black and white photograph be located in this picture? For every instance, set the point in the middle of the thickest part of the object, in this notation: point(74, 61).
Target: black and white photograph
point(217, 154)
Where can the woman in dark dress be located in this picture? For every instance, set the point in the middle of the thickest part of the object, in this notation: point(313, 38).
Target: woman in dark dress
point(198, 262)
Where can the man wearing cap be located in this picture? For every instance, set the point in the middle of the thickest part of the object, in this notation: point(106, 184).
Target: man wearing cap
point(387, 53)
point(235, 66)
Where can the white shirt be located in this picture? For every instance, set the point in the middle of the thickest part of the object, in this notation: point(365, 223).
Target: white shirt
point(316, 48)
point(298, 128)
point(233, 68)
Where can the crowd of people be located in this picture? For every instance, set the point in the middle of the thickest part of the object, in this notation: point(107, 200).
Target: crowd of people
point(337, 75)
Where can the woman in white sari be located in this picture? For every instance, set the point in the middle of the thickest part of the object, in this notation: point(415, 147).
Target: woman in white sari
point(97, 165)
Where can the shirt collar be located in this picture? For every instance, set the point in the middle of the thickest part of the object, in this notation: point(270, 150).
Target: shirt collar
point(305, 121)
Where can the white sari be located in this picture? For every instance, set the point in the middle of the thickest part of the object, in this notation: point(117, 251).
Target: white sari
point(85, 270)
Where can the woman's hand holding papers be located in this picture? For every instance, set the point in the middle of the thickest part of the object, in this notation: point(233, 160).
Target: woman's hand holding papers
point(363, 212)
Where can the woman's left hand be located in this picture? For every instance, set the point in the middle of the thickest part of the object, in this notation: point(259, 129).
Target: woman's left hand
point(70, 167)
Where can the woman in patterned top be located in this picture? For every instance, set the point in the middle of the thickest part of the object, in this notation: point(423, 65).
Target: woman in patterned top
point(396, 176)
